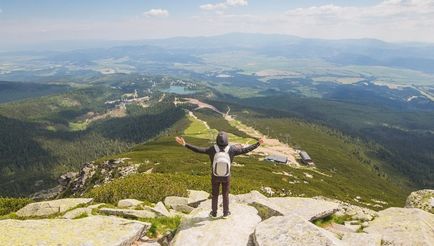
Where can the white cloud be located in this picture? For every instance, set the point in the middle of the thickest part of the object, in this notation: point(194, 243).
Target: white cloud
point(156, 13)
point(392, 9)
point(1, 11)
point(223, 5)
point(237, 2)
point(401, 20)
point(211, 7)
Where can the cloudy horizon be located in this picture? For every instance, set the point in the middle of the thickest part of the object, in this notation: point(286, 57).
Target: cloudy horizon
point(28, 22)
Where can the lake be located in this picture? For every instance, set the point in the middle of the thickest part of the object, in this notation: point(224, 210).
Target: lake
point(181, 90)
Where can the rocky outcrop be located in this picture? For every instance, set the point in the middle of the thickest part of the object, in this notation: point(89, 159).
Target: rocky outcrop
point(285, 221)
point(90, 174)
point(423, 199)
point(66, 178)
point(292, 230)
point(199, 229)
point(404, 226)
point(47, 208)
point(128, 213)
point(47, 194)
point(95, 230)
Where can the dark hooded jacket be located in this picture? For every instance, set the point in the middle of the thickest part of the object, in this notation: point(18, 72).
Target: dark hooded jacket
point(222, 141)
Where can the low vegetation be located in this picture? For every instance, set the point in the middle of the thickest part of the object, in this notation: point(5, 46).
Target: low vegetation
point(9, 205)
point(152, 188)
point(161, 225)
point(324, 222)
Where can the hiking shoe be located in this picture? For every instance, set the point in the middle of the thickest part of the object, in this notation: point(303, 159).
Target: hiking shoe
point(213, 214)
point(226, 215)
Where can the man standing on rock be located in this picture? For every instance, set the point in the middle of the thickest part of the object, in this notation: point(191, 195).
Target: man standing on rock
point(221, 155)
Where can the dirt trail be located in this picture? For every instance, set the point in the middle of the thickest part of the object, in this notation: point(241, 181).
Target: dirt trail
point(271, 146)
point(203, 122)
point(198, 103)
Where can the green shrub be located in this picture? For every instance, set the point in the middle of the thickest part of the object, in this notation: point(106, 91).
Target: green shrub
point(81, 216)
point(9, 205)
point(331, 219)
point(145, 187)
point(161, 225)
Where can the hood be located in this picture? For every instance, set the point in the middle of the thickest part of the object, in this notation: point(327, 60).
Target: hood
point(222, 139)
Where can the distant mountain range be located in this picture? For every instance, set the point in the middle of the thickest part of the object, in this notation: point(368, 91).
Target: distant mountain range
point(372, 52)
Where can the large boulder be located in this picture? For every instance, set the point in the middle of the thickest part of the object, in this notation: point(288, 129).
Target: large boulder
point(346, 209)
point(95, 230)
point(308, 208)
point(172, 201)
point(199, 229)
point(128, 213)
point(47, 208)
point(404, 226)
point(292, 230)
point(196, 196)
point(423, 199)
point(161, 210)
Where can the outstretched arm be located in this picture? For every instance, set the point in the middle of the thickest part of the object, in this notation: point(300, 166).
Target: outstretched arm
point(241, 151)
point(196, 149)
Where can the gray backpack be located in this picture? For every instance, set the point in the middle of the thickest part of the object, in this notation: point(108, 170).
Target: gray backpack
point(221, 165)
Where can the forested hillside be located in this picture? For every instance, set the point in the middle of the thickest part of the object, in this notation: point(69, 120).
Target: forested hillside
point(400, 140)
point(45, 137)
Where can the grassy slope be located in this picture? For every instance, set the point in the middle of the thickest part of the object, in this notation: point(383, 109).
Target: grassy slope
point(350, 178)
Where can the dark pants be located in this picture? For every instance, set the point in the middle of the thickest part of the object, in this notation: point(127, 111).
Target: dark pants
point(215, 194)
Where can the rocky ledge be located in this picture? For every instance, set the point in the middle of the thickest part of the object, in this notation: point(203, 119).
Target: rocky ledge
point(255, 220)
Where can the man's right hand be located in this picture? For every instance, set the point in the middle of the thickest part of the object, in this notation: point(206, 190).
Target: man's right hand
point(180, 140)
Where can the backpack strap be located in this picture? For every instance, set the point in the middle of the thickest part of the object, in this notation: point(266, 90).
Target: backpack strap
point(227, 148)
point(217, 148)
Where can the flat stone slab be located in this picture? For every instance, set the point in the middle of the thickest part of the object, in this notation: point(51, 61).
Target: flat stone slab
point(308, 208)
point(77, 212)
point(47, 208)
point(199, 229)
point(95, 231)
point(361, 239)
point(172, 201)
point(292, 230)
point(404, 226)
point(129, 213)
point(129, 203)
point(161, 210)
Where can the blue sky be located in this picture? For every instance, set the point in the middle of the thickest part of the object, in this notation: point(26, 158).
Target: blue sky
point(27, 21)
point(113, 9)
